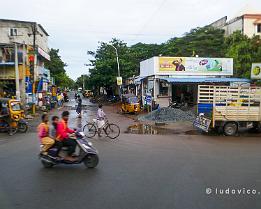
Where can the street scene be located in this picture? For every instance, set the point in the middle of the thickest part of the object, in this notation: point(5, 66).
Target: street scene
point(99, 112)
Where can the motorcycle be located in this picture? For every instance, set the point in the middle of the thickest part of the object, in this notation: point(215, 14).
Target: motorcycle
point(85, 151)
point(66, 98)
point(22, 126)
point(8, 126)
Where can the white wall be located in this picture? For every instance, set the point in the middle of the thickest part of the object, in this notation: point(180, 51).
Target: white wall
point(23, 30)
point(249, 28)
point(234, 26)
point(148, 67)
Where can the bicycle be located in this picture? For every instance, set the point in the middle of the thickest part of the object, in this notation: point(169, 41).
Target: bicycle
point(110, 129)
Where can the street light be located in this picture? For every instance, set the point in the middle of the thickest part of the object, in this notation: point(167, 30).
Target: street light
point(117, 58)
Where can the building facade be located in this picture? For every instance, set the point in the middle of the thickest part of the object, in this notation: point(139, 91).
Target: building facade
point(247, 24)
point(176, 79)
point(31, 40)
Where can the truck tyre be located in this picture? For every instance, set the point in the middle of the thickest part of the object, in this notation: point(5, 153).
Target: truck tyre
point(230, 129)
point(256, 127)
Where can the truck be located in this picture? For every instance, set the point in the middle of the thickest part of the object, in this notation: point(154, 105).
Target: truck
point(228, 108)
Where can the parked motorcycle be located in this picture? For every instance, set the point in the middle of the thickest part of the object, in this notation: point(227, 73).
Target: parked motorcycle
point(22, 126)
point(66, 98)
point(6, 126)
point(85, 151)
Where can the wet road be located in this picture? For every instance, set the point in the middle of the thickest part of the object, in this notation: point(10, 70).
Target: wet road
point(135, 172)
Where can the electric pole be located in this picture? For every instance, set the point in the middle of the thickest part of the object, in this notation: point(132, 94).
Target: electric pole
point(17, 86)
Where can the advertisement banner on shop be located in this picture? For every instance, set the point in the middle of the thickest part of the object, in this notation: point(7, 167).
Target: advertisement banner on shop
point(256, 71)
point(196, 66)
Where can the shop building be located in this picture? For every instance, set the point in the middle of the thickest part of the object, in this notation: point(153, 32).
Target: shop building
point(248, 24)
point(31, 40)
point(175, 79)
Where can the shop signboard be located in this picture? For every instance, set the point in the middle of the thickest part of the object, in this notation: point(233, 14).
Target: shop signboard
point(119, 81)
point(256, 71)
point(195, 66)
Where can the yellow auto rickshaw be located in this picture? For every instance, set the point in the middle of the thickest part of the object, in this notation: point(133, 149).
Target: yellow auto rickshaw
point(88, 93)
point(12, 116)
point(130, 104)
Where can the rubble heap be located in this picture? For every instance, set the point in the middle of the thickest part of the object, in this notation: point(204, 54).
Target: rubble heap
point(168, 114)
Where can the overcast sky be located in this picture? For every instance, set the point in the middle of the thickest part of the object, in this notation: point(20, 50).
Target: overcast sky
point(76, 26)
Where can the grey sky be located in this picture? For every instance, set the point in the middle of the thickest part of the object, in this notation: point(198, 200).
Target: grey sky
point(76, 26)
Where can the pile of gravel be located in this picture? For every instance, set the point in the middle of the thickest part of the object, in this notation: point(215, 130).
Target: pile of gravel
point(168, 114)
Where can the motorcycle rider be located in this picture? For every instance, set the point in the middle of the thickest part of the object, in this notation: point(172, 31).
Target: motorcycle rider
point(65, 134)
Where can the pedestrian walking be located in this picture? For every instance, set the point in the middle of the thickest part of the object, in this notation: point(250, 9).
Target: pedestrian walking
point(79, 106)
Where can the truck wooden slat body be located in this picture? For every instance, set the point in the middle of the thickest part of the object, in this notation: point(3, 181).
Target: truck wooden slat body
point(223, 104)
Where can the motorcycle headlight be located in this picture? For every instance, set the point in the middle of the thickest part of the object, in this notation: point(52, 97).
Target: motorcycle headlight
point(90, 143)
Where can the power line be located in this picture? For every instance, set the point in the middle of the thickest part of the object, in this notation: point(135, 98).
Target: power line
point(150, 18)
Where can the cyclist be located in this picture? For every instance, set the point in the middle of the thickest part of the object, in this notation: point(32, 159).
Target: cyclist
point(100, 119)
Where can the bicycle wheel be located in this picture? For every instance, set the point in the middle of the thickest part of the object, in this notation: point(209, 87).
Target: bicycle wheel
point(90, 130)
point(112, 131)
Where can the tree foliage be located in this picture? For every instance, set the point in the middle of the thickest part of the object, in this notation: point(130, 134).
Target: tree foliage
point(244, 50)
point(204, 42)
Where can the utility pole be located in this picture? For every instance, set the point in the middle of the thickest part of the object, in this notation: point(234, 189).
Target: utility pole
point(23, 75)
point(118, 64)
point(17, 86)
point(33, 77)
point(83, 87)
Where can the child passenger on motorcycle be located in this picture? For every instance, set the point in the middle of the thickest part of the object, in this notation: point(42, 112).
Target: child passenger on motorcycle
point(58, 144)
point(43, 134)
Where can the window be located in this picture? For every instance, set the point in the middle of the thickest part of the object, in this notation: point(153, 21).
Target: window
point(258, 27)
point(13, 32)
point(163, 88)
point(15, 106)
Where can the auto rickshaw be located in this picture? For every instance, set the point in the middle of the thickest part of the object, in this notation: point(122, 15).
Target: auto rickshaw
point(87, 93)
point(12, 116)
point(130, 104)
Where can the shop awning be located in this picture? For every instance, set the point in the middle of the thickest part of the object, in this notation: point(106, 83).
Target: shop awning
point(7, 64)
point(205, 80)
point(139, 79)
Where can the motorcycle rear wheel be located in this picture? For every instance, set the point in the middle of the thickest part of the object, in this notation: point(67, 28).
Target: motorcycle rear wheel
point(91, 161)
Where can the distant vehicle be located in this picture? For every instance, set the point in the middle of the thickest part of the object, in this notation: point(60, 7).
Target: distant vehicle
point(227, 108)
point(87, 93)
point(130, 104)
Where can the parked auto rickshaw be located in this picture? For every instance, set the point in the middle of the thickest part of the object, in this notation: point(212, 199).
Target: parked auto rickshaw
point(12, 116)
point(130, 104)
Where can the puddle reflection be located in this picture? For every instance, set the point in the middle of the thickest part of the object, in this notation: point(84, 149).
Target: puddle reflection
point(148, 129)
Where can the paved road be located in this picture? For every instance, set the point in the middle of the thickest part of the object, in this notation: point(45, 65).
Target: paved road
point(135, 172)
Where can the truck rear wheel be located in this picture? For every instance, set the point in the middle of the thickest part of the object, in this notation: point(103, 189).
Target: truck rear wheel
point(230, 129)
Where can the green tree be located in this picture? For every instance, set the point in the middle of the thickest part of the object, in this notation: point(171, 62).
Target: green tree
point(205, 42)
point(244, 51)
point(104, 70)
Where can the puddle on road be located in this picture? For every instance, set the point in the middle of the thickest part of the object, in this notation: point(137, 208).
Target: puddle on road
point(84, 107)
point(148, 129)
